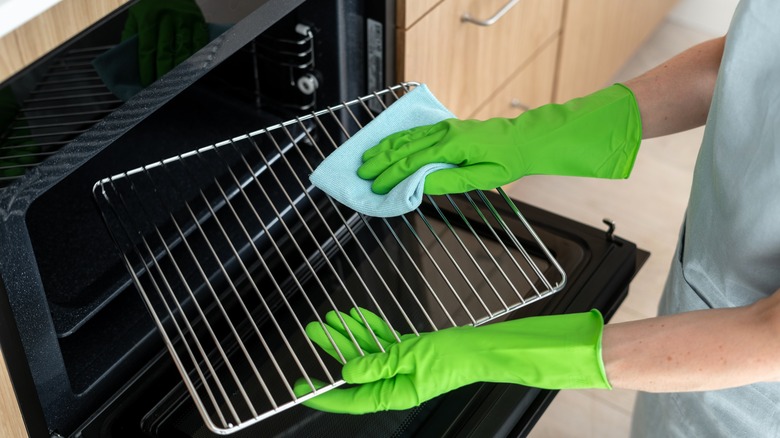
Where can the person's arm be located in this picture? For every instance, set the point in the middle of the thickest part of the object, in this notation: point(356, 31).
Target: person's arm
point(702, 350)
point(676, 95)
point(597, 135)
point(696, 351)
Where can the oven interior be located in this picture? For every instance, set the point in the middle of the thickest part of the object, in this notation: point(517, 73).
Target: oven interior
point(91, 332)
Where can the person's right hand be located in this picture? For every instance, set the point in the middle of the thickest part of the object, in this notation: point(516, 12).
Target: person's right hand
point(597, 136)
point(169, 31)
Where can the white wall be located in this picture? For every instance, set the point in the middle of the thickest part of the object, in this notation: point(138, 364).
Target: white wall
point(14, 13)
point(712, 16)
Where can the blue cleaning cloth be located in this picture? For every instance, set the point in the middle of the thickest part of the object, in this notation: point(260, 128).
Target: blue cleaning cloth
point(337, 174)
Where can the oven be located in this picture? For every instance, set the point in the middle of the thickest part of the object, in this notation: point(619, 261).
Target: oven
point(85, 354)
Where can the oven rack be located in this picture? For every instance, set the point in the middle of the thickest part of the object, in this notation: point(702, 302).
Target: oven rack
point(233, 252)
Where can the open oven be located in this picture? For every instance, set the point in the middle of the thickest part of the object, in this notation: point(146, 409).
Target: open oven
point(83, 352)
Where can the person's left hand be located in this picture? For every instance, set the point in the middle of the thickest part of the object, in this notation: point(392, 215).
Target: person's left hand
point(169, 31)
point(552, 352)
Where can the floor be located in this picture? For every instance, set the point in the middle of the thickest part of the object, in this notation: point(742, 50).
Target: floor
point(648, 209)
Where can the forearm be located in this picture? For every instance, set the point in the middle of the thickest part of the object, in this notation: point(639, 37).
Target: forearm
point(676, 95)
point(695, 351)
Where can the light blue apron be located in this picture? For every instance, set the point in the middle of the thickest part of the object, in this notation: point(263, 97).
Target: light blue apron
point(729, 248)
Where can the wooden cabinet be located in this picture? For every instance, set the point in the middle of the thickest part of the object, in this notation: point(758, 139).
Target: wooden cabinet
point(540, 51)
point(530, 87)
point(11, 423)
point(412, 10)
point(464, 64)
point(598, 37)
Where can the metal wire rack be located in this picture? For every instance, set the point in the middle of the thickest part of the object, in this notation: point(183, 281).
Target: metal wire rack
point(67, 100)
point(234, 252)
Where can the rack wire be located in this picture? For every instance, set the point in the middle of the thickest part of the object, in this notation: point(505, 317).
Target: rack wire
point(234, 252)
point(68, 99)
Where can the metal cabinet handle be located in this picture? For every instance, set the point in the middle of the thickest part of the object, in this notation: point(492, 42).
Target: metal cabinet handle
point(492, 20)
point(518, 104)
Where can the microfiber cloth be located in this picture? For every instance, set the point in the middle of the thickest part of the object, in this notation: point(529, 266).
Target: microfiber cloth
point(337, 174)
point(118, 66)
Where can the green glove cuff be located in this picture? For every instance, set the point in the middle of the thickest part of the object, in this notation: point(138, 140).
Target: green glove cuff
point(550, 352)
point(568, 351)
point(593, 136)
point(633, 134)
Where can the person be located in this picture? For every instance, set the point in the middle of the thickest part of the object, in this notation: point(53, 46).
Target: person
point(708, 365)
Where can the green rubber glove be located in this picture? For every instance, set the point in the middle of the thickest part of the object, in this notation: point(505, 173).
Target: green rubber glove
point(552, 352)
point(169, 31)
point(596, 136)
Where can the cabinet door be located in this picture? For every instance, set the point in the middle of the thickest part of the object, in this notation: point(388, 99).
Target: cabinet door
point(599, 36)
point(532, 86)
point(463, 63)
point(408, 12)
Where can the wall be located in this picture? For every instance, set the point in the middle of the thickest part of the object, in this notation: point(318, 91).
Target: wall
point(711, 16)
